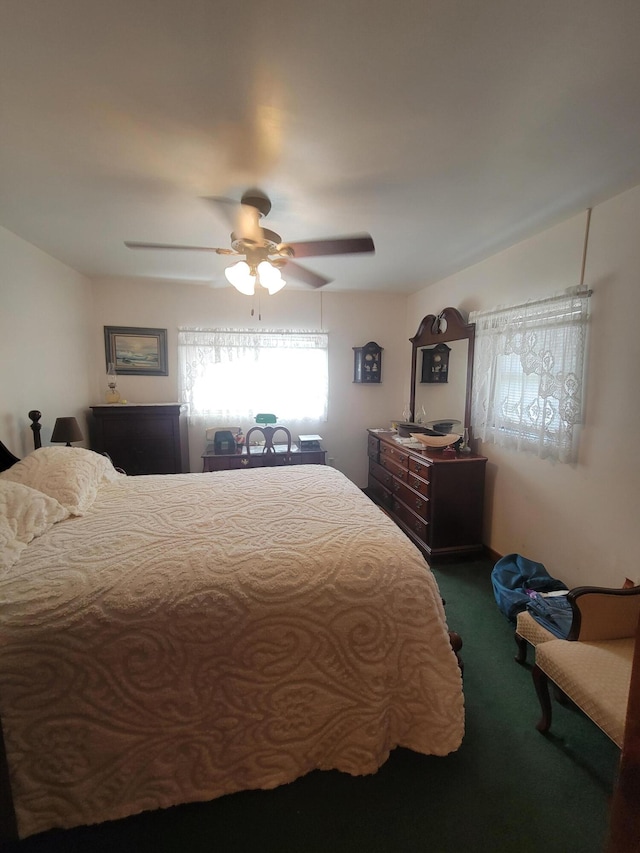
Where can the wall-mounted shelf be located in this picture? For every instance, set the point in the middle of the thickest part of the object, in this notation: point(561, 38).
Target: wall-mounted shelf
point(367, 363)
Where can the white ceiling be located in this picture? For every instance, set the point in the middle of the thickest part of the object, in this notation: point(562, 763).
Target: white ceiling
point(448, 129)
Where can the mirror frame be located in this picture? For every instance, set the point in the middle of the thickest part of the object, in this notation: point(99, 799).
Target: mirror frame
point(429, 333)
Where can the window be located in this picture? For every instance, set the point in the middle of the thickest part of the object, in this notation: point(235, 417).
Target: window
point(235, 374)
point(528, 375)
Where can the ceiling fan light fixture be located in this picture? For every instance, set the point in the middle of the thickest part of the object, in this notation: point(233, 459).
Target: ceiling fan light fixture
point(270, 277)
point(275, 286)
point(239, 275)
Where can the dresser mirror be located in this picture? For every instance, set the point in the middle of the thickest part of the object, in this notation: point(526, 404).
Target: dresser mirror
point(442, 400)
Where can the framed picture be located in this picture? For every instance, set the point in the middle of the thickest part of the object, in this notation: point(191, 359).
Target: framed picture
point(135, 351)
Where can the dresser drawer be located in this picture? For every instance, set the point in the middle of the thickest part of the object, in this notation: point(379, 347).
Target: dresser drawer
point(436, 499)
point(420, 467)
point(373, 448)
point(420, 485)
point(379, 491)
point(387, 451)
point(225, 463)
point(416, 502)
point(145, 439)
point(381, 474)
point(397, 470)
point(418, 526)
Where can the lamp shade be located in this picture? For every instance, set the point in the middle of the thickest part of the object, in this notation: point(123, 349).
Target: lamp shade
point(67, 430)
point(240, 277)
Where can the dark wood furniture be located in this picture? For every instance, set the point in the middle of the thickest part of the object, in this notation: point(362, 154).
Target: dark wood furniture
point(7, 458)
point(367, 363)
point(434, 331)
point(142, 438)
point(259, 457)
point(436, 499)
point(268, 433)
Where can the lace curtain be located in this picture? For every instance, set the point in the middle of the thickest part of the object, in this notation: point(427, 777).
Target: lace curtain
point(232, 375)
point(528, 375)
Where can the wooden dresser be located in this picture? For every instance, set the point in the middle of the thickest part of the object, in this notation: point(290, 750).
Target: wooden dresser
point(143, 438)
point(435, 499)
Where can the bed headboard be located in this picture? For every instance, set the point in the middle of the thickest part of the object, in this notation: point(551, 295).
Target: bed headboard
point(7, 459)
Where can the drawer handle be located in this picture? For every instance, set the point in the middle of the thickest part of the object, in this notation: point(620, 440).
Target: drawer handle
point(419, 504)
point(418, 485)
point(396, 486)
point(244, 462)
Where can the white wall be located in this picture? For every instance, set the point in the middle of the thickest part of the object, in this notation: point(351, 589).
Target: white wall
point(351, 320)
point(579, 520)
point(45, 327)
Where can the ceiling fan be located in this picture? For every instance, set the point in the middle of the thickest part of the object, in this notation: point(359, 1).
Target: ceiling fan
point(264, 252)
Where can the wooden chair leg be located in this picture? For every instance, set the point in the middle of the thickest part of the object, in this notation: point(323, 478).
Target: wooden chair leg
point(541, 683)
point(522, 644)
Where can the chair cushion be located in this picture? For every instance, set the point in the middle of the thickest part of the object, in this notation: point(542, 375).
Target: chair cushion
point(596, 676)
point(532, 631)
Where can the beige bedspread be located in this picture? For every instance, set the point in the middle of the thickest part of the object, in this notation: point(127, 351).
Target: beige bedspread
point(193, 635)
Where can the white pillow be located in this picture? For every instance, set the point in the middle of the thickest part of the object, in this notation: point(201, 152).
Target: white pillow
point(24, 514)
point(71, 475)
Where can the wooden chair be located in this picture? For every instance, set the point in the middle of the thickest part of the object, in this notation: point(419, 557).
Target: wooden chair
point(268, 449)
point(592, 667)
point(529, 633)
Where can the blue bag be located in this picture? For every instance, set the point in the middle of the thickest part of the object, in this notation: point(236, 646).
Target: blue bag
point(512, 576)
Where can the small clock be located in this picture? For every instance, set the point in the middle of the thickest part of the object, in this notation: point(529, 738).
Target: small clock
point(367, 363)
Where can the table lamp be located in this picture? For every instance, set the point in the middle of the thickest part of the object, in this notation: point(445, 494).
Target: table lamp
point(66, 429)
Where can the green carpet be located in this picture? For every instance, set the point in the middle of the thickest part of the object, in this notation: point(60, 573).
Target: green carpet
point(508, 788)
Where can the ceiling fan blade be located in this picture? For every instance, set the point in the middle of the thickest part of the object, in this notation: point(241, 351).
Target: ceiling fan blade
point(303, 274)
point(131, 245)
point(244, 219)
point(333, 246)
point(228, 207)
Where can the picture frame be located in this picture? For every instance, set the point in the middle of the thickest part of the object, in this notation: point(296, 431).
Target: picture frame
point(136, 351)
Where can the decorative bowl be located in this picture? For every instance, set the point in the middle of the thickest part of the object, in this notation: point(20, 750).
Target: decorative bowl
point(436, 441)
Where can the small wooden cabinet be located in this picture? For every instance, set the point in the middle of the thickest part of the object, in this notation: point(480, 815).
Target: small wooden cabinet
point(435, 499)
point(367, 363)
point(143, 438)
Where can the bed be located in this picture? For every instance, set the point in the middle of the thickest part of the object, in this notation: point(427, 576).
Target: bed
point(175, 638)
